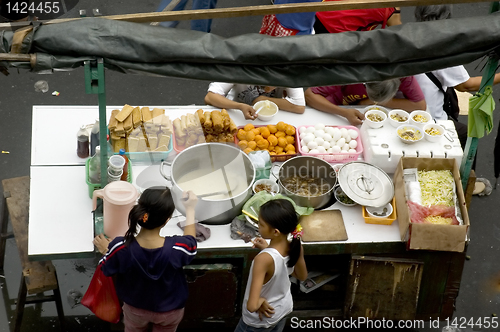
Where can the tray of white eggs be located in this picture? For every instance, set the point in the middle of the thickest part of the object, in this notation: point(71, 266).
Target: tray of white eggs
point(331, 143)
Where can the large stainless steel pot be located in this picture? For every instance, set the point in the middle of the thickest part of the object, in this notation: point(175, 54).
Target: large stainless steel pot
point(312, 167)
point(200, 163)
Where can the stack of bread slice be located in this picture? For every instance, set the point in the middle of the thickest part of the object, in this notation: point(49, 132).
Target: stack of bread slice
point(137, 129)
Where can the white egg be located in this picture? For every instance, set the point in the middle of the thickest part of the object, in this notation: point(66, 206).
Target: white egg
point(326, 145)
point(327, 137)
point(319, 133)
point(310, 130)
point(330, 150)
point(319, 140)
point(302, 130)
point(341, 142)
point(336, 134)
point(314, 151)
point(312, 145)
point(353, 144)
point(335, 149)
point(352, 151)
point(343, 132)
point(319, 126)
point(353, 133)
point(302, 135)
point(308, 138)
point(329, 130)
point(347, 138)
point(346, 147)
point(321, 149)
point(305, 148)
point(302, 142)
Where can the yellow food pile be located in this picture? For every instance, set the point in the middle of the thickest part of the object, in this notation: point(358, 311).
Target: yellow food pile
point(278, 139)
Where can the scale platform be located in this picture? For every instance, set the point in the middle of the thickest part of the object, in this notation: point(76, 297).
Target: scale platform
point(382, 146)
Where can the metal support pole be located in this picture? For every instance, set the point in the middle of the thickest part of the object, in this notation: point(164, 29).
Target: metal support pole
point(94, 84)
point(472, 142)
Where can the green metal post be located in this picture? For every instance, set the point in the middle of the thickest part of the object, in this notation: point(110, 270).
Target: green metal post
point(472, 142)
point(94, 84)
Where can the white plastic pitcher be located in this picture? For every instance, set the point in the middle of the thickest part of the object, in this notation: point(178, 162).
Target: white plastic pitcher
point(118, 199)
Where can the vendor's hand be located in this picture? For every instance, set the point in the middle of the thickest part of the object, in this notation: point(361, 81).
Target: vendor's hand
point(265, 309)
point(101, 242)
point(248, 112)
point(260, 243)
point(355, 117)
point(189, 199)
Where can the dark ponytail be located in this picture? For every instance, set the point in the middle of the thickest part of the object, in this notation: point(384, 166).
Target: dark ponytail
point(155, 207)
point(280, 214)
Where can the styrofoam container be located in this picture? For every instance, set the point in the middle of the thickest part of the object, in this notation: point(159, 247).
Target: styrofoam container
point(375, 124)
point(426, 118)
point(400, 113)
point(433, 138)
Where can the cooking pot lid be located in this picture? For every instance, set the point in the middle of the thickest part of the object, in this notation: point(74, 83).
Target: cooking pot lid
point(366, 184)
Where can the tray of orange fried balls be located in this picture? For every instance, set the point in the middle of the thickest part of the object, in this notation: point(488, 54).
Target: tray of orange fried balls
point(278, 139)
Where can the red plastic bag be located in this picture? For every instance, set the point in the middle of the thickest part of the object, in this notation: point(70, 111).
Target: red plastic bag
point(101, 297)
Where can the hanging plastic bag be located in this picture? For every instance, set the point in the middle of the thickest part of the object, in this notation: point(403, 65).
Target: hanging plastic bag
point(101, 297)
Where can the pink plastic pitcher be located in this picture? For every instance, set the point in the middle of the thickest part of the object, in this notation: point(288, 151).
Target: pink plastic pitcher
point(118, 197)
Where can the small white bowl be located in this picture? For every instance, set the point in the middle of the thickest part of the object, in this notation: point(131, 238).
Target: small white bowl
point(275, 189)
point(378, 212)
point(423, 118)
point(375, 107)
point(375, 124)
point(436, 129)
point(268, 112)
point(396, 116)
point(337, 192)
point(414, 129)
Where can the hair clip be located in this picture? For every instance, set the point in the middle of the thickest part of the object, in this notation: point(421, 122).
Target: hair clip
point(145, 217)
point(297, 233)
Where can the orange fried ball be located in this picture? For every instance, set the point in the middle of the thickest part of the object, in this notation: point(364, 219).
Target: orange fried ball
point(249, 127)
point(272, 128)
point(272, 140)
point(250, 136)
point(282, 142)
point(258, 137)
point(256, 131)
point(243, 144)
point(290, 139)
point(263, 144)
point(252, 145)
point(278, 149)
point(290, 148)
point(272, 153)
point(289, 130)
point(280, 134)
point(242, 134)
point(264, 131)
point(281, 126)
point(247, 150)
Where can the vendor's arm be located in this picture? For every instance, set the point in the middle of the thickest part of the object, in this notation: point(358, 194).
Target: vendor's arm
point(221, 101)
point(320, 103)
point(300, 269)
point(262, 264)
point(189, 202)
point(474, 83)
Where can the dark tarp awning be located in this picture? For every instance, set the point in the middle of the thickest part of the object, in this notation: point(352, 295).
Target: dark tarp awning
point(298, 61)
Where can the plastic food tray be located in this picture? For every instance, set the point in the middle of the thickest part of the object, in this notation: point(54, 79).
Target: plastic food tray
point(95, 186)
point(333, 157)
point(178, 148)
point(381, 221)
point(281, 157)
point(150, 156)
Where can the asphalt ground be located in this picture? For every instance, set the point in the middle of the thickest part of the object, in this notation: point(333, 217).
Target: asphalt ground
point(480, 286)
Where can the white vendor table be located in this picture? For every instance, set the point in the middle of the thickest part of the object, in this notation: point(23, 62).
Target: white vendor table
point(60, 219)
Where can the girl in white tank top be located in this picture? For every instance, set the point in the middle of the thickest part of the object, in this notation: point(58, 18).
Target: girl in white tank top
point(267, 298)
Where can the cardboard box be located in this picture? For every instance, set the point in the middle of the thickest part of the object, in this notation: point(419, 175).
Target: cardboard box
point(430, 236)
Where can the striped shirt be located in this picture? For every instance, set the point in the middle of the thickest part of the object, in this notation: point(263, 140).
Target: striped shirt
point(150, 279)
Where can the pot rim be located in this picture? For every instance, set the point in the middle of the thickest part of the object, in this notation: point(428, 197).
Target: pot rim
point(244, 192)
